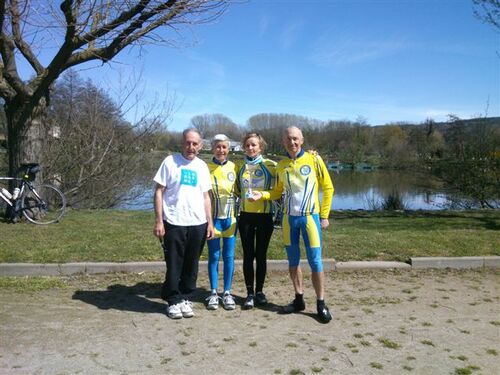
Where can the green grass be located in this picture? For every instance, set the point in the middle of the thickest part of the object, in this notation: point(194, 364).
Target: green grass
point(389, 343)
point(427, 342)
point(119, 236)
point(466, 370)
point(376, 365)
point(492, 352)
point(31, 284)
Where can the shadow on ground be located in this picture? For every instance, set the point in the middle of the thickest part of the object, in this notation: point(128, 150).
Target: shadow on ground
point(422, 220)
point(136, 298)
point(143, 298)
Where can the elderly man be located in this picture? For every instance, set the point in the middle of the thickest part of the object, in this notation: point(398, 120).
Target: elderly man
point(183, 220)
point(300, 176)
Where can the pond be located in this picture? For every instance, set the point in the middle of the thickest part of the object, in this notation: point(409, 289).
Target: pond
point(360, 190)
point(367, 190)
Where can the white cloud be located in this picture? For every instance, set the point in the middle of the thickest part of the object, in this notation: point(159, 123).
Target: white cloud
point(290, 34)
point(207, 66)
point(339, 51)
point(263, 25)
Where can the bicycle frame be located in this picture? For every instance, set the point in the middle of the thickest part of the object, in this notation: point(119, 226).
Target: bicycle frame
point(41, 203)
point(7, 200)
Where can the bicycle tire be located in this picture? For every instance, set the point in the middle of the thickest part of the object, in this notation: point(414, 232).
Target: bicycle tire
point(43, 204)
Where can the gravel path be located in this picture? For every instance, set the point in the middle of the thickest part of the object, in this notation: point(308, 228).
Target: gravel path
point(385, 322)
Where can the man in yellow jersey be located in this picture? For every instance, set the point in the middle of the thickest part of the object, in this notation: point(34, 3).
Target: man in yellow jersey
point(300, 176)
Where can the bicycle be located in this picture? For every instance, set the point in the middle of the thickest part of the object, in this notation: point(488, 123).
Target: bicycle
point(278, 212)
point(39, 203)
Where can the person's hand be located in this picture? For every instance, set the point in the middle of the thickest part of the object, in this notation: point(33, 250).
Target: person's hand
point(210, 232)
point(256, 195)
point(324, 223)
point(159, 230)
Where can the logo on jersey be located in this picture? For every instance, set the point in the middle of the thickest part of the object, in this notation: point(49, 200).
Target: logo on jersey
point(189, 177)
point(258, 173)
point(230, 176)
point(305, 170)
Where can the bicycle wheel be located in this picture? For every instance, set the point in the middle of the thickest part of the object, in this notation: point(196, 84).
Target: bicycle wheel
point(43, 204)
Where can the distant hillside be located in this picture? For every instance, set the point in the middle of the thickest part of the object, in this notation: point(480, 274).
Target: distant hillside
point(471, 123)
point(443, 127)
point(488, 120)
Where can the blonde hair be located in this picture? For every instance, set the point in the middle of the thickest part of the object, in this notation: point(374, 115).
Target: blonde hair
point(260, 138)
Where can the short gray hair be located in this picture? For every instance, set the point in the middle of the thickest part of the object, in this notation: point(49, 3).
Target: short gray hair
point(293, 127)
point(191, 130)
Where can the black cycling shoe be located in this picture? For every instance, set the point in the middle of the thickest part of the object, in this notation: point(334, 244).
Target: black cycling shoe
point(324, 314)
point(260, 298)
point(295, 306)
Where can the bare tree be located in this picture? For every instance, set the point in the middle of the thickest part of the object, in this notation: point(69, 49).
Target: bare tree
point(271, 126)
point(488, 11)
point(95, 155)
point(211, 124)
point(470, 164)
point(52, 37)
point(393, 145)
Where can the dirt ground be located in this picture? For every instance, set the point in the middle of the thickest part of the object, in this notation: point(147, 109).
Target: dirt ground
point(385, 322)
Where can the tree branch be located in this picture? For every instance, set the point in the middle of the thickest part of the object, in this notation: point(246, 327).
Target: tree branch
point(134, 21)
point(123, 18)
point(489, 13)
point(19, 41)
point(127, 36)
point(10, 76)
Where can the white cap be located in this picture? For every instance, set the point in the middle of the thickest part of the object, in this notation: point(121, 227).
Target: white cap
point(219, 138)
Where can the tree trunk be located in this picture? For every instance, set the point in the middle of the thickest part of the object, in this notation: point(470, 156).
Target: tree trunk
point(25, 140)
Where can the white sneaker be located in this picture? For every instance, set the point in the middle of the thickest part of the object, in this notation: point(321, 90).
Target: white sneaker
point(186, 309)
point(213, 301)
point(228, 302)
point(174, 311)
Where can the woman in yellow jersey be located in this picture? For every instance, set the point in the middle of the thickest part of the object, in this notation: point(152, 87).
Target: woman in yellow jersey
point(223, 176)
point(255, 223)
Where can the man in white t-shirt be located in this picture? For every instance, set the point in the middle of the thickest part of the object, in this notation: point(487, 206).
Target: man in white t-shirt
point(183, 220)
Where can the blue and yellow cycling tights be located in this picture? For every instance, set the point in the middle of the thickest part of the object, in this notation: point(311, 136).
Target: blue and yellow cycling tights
point(225, 229)
point(310, 228)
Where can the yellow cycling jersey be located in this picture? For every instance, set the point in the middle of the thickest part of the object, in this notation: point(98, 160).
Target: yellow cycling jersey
point(263, 177)
point(300, 179)
point(223, 177)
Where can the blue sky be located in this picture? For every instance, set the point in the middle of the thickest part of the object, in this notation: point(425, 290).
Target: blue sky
point(384, 61)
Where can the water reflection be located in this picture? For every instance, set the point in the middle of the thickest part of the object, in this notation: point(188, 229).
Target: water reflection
point(359, 190)
point(367, 190)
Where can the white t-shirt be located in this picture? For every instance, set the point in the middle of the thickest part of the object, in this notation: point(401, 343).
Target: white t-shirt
point(185, 182)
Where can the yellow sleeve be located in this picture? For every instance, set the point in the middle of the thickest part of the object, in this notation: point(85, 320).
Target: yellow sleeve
point(277, 190)
point(237, 187)
point(326, 184)
point(275, 193)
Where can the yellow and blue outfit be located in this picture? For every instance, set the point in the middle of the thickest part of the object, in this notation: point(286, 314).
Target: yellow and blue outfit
point(300, 179)
point(223, 177)
point(263, 177)
point(255, 223)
